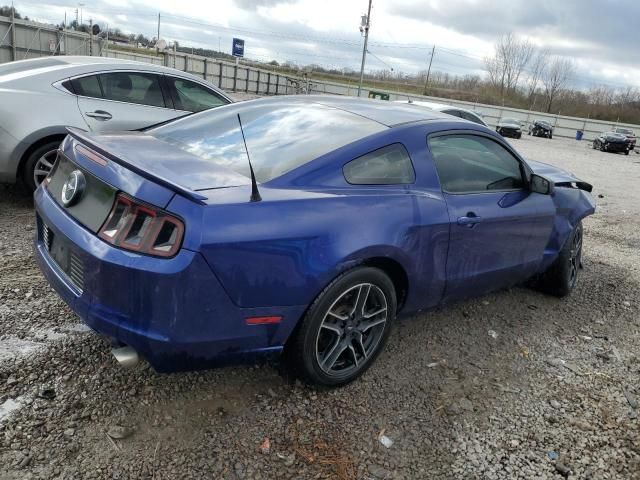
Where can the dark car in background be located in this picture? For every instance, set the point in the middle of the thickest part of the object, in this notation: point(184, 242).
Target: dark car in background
point(627, 133)
point(509, 127)
point(612, 142)
point(541, 128)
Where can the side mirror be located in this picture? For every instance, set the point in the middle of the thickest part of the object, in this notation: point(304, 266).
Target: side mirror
point(540, 184)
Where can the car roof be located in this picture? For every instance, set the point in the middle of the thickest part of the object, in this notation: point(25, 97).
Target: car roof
point(56, 68)
point(380, 111)
point(69, 64)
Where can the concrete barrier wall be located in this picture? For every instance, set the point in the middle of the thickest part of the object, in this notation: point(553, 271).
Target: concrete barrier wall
point(30, 40)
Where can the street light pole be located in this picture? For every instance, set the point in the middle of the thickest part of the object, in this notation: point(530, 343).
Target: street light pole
point(364, 49)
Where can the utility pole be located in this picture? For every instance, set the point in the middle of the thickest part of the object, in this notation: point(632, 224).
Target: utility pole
point(426, 82)
point(158, 37)
point(366, 23)
point(90, 37)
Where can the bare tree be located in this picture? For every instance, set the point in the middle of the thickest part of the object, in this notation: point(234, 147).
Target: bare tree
point(538, 66)
point(509, 60)
point(555, 77)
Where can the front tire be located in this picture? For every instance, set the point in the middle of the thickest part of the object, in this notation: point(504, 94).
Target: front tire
point(561, 278)
point(345, 329)
point(39, 163)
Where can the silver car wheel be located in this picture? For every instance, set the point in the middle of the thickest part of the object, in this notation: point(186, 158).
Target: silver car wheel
point(43, 166)
point(351, 330)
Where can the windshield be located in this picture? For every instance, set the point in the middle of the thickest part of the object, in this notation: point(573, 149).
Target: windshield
point(626, 131)
point(280, 136)
point(510, 120)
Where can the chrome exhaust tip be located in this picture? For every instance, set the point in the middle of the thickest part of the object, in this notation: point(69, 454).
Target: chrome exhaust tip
point(127, 357)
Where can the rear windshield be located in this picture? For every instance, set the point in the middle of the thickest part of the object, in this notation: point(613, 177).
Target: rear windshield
point(280, 136)
point(626, 131)
point(24, 66)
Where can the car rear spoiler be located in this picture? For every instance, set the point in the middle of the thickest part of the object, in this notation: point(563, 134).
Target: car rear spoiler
point(91, 142)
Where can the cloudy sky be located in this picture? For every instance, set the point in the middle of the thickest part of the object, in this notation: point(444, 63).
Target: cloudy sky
point(601, 37)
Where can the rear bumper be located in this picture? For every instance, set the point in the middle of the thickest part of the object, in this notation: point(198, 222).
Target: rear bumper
point(173, 312)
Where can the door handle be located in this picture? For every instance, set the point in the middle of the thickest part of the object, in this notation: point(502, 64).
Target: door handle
point(469, 220)
point(99, 115)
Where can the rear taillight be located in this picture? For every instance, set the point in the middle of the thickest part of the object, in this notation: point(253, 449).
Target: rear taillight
point(141, 228)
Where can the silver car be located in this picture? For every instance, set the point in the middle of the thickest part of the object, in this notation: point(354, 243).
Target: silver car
point(39, 98)
point(449, 109)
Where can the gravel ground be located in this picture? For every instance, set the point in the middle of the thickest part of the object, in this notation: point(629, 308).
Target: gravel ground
point(553, 391)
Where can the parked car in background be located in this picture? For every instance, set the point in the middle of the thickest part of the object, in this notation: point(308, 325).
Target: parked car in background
point(627, 133)
point(448, 109)
point(267, 227)
point(613, 142)
point(40, 98)
point(509, 127)
point(541, 128)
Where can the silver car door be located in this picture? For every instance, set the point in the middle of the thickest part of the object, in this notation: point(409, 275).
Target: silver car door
point(122, 100)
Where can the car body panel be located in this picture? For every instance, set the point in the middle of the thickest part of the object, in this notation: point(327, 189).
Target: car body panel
point(504, 248)
point(123, 116)
point(240, 259)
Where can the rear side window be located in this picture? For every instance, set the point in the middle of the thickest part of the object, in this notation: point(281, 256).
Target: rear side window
point(132, 87)
point(87, 86)
point(471, 117)
point(193, 97)
point(455, 113)
point(471, 164)
point(389, 165)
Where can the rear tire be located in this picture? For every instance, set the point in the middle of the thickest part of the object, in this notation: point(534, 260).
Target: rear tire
point(345, 329)
point(562, 276)
point(38, 164)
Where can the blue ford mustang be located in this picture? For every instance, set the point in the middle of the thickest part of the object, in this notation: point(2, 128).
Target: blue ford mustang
point(296, 225)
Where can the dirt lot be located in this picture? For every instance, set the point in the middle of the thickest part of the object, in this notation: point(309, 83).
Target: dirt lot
point(553, 390)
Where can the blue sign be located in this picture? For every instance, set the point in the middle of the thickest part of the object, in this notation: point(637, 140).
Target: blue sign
point(237, 49)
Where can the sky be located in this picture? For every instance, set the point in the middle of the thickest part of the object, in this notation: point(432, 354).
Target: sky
point(602, 38)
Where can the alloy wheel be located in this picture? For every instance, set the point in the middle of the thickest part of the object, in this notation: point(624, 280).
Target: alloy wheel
point(351, 330)
point(43, 166)
point(574, 256)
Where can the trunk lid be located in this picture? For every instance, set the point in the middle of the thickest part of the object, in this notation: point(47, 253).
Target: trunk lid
point(161, 162)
